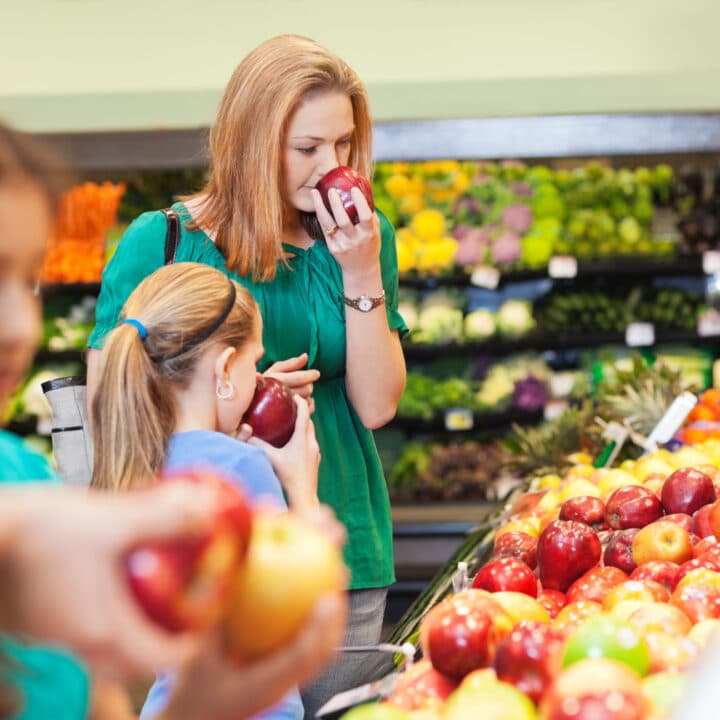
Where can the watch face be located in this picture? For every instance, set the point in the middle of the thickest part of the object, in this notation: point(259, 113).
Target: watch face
point(365, 304)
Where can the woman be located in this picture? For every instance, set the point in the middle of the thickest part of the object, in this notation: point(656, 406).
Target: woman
point(291, 112)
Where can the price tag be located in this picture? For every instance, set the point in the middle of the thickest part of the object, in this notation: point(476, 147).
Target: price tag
point(485, 276)
point(711, 262)
point(459, 419)
point(708, 324)
point(562, 266)
point(554, 409)
point(640, 334)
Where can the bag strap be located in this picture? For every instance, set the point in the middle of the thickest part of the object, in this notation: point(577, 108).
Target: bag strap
point(172, 236)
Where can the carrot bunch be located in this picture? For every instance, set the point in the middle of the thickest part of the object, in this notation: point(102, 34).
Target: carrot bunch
point(703, 422)
point(76, 250)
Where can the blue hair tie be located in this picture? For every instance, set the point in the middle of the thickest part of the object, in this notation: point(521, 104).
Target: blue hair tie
point(142, 332)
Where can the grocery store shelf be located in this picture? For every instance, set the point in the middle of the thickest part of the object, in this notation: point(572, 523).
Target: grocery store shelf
point(481, 421)
point(60, 356)
point(73, 289)
point(628, 267)
point(546, 341)
point(487, 138)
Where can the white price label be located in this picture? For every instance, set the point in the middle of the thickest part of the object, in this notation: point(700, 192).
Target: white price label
point(459, 419)
point(562, 266)
point(485, 276)
point(640, 334)
point(711, 262)
point(554, 409)
point(709, 324)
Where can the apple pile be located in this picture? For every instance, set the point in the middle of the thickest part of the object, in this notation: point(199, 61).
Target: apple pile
point(236, 574)
point(601, 590)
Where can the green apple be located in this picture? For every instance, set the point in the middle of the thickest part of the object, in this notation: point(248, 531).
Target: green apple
point(375, 711)
point(494, 700)
point(605, 636)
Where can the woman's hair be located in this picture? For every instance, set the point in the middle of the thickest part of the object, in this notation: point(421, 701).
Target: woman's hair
point(133, 416)
point(24, 159)
point(242, 201)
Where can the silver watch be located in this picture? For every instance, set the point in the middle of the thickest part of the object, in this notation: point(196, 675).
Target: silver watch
point(365, 303)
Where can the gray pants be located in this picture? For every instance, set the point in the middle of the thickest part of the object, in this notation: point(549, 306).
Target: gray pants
point(366, 611)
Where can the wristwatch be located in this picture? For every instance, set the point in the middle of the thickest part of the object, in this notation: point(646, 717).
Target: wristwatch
point(365, 303)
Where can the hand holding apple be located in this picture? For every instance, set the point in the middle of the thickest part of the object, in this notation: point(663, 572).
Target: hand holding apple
point(183, 585)
point(343, 179)
point(272, 412)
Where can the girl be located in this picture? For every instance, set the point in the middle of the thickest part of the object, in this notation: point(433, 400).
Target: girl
point(177, 376)
point(291, 112)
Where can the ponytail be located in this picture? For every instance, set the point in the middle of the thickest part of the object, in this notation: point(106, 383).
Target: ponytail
point(132, 418)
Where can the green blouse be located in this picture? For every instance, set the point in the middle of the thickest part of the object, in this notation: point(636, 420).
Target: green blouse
point(50, 682)
point(303, 311)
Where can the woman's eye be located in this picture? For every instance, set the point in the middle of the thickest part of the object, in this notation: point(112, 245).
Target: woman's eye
point(307, 151)
point(345, 142)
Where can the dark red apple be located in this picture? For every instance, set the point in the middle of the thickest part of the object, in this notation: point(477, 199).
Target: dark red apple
point(553, 601)
point(506, 574)
point(566, 550)
point(661, 571)
point(618, 551)
point(459, 638)
point(344, 179)
point(701, 521)
point(687, 490)
point(632, 506)
point(272, 412)
point(183, 584)
point(529, 657)
point(584, 508)
point(517, 544)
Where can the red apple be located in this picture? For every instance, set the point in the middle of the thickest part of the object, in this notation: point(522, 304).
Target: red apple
point(574, 614)
point(595, 584)
point(420, 683)
point(272, 412)
point(684, 520)
point(553, 601)
point(712, 550)
point(661, 571)
point(632, 506)
point(506, 574)
point(184, 584)
point(566, 550)
point(585, 509)
point(344, 179)
point(714, 519)
point(709, 562)
point(698, 602)
point(459, 637)
point(705, 544)
point(701, 521)
point(618, 551)
point(660, 617)
point(669, 652)
point(642, 590)
point(662, 540)
point(290, 565)
point(517, 544)
point(597, 689)
point(687, 490)
point(529, 657)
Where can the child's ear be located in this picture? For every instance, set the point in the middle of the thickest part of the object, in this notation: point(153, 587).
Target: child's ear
point(223, 363)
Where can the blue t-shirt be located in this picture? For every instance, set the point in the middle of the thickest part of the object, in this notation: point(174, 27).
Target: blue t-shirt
point(250, 468)
point(50, 682)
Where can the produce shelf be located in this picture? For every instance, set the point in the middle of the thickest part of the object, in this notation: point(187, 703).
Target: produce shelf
point(74, 289)
point(487, 420)
point(628, 267)
point(59, 356)
point(543, 341)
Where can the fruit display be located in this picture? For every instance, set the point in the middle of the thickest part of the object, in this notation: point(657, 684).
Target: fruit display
point(703, 422)
point(697, 198)
point(76, 250)
point(509, 215)
point(590, 596)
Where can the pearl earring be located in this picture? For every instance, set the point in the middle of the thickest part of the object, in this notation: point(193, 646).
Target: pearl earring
point(224, 391)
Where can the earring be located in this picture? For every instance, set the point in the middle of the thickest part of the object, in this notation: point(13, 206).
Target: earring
point(224, 391)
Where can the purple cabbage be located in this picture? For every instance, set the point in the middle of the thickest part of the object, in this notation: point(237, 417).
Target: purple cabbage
point(530, 394)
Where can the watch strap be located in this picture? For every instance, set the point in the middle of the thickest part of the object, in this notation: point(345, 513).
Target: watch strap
point(365, 303)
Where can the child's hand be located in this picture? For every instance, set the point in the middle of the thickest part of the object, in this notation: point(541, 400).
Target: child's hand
point(297, 463)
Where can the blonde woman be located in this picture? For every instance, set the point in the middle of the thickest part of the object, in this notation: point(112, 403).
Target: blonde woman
point(291, 112)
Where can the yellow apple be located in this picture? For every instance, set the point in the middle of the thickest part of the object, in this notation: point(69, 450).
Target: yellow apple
point(289, 566)
point(614, 479)
point(701, 631)
point(520, 606)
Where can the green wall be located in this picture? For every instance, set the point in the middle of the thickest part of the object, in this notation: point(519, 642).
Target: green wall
point(104, 64)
